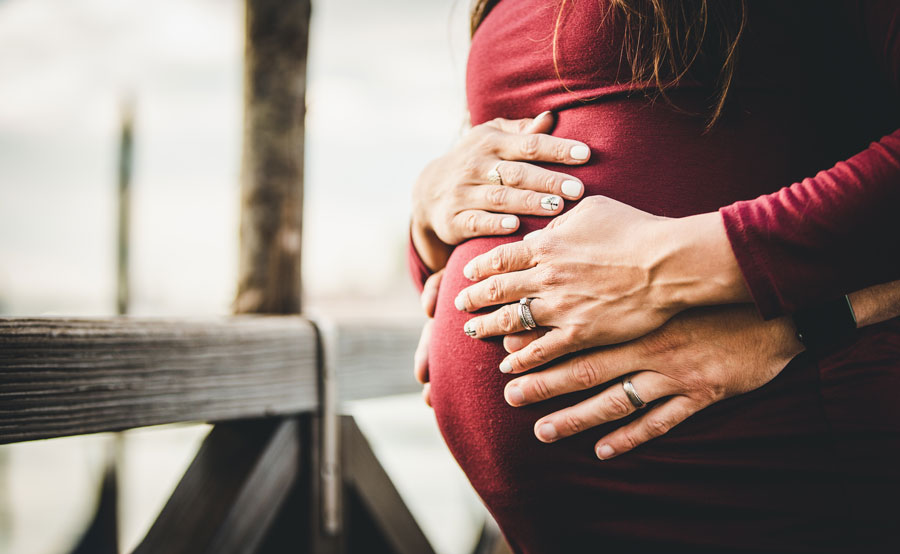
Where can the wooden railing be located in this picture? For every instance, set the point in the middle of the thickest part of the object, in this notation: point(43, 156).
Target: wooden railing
point(282, 470)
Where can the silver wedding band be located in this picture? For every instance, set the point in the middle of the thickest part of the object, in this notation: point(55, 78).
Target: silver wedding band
point(525, 315)
point(632, 394)
point(494, 175)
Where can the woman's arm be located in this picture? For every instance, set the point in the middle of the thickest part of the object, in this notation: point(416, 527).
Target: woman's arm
point(698, 358)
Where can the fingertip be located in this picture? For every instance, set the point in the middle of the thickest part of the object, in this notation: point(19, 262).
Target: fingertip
point(426, 394)
point(580, 153)
point(572, 188)
point(604, 451)
point(542, 121)
point(509, 223)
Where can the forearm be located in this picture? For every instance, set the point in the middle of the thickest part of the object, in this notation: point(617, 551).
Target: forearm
point(876, 304)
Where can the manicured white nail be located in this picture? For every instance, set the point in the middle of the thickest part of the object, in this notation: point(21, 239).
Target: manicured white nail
point(505, 366)
point(460, 303)
point(605, 451)
point(572, 188)
point(531, 235)
point(547, 432)
point(580, 152)
point(469, 270)
point(541, 116)
point(469, 328)
point(551, 202)
point(514, 395)
point(509, 222)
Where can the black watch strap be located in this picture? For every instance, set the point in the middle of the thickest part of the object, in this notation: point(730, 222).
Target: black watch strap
point(826, 327)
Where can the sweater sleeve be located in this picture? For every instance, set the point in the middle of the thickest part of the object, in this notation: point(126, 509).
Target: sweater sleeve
point(417, 268)
point(835, 232)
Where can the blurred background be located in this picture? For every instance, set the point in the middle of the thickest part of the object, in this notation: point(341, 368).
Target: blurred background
point(385, 94)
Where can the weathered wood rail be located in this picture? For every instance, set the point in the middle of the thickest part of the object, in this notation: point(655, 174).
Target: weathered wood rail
point(282, 470)
point(271, 384)
point(63, 377)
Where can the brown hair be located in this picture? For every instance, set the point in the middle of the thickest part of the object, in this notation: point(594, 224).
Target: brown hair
point(666, 40)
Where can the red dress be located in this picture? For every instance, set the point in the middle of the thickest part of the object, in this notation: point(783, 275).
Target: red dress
point(807, 463)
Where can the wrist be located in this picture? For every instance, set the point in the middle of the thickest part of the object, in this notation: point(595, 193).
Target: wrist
point(697, 266)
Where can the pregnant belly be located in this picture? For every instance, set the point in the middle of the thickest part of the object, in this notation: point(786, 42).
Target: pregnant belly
point(658, 161)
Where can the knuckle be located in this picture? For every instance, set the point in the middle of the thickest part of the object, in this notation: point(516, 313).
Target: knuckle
point(549, 277)
point(551, 184)
point(539, 388)
point(584, 373)
point(618, 407)
point(494, 290)
point(657, 426)
point(560, 151)
point(530, 145)
point(507, 322)
point(470, 168)
point(630, 440)
point(497, 196)
point(537, 353)
point(514, 174)
point(498, 259)
point(530, 201)
point(573, 423)
point(470, 223)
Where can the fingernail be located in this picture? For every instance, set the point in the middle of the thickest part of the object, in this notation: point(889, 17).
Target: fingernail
point(572, 188)
point(580, 152)
point(550, 202)
point(531, 235)
point(605, 451)
point(547, 432)
point(509, 222)
point(505, 366)
point(514, 395)
point(541, 115)
point(459, 303)
point(469, 271)
point(469, 329)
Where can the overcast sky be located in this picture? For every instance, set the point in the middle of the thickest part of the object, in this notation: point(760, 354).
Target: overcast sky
point(385, 84)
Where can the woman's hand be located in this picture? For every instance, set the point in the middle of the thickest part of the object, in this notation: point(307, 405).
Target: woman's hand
point(603, 273)
point(698, 358)
point(455, 199)
point(420, 360)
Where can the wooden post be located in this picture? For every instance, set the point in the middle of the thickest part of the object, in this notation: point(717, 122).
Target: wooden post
point(125, 165)
point(277, 37)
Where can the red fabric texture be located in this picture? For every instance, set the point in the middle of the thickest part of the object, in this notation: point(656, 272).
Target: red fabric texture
point(804, 464)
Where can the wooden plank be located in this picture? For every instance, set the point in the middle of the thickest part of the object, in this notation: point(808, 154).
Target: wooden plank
point(233, 490)
point(272, 174)
point(374, 359)
point(363, 473)
point(63, 377)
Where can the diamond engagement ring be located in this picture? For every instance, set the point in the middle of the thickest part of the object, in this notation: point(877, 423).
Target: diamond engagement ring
point(525, 315)
point(494, 175)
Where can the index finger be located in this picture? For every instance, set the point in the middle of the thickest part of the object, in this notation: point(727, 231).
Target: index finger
point(505, 258)
point(581, 372)
point(540, 124)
